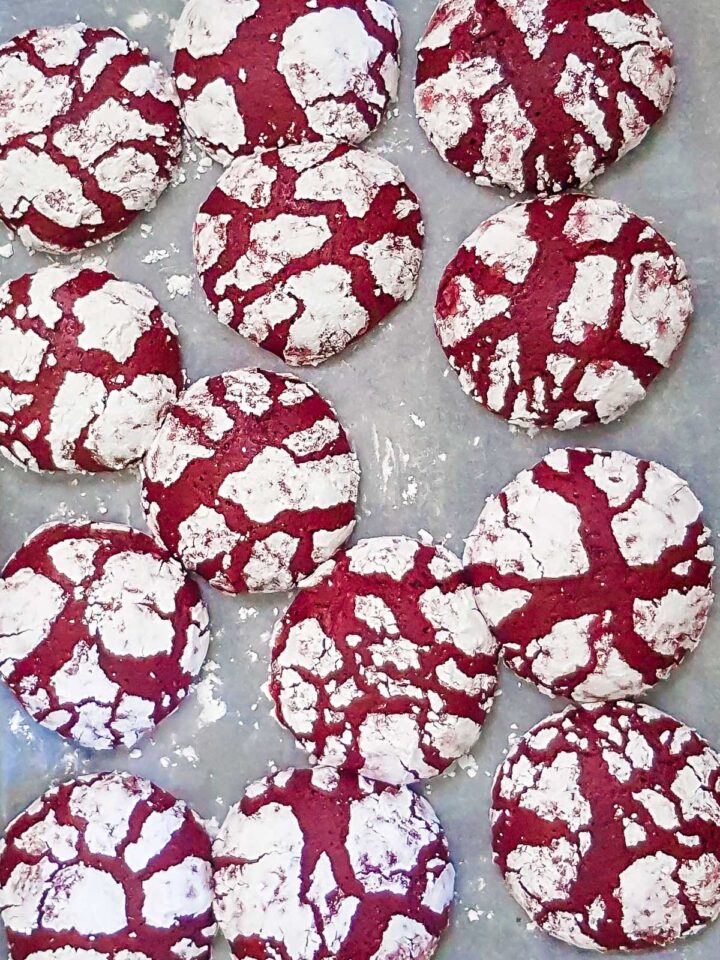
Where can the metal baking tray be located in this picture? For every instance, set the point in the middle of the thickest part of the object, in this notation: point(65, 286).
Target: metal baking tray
point(430, 457)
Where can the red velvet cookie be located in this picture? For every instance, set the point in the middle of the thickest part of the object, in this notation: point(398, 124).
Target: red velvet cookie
point(305, 249)
point(595, 571)
point(558, 313)
point(383, 664)
point(541, 94)
point(90, 134)
point(101, 632)
point(261, 73)
point(89, 365)
point(606, 827)
point(107, 866)
point(328, 865)
point(251, 481)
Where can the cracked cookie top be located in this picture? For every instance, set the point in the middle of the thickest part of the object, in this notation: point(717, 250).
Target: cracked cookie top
point(108, 865)
point(258, 73)
point(318, 865)
point(307, 248)
point(541, 95)
point(560, 313)
point(90, 135)
point(101, 632)
point(594, 570)
point(89, 366)
point(251, 481)
point(383, 664)
point(606, 827)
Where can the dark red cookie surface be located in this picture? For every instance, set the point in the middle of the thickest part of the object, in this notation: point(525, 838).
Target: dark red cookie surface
point(306, 248)
point(251, 481)
point(328, 865)
point(108, 865)
point(606, 827)
point(541, 94)
point(89, 365)
point(383, 664)
point(261, 73)
point(559, 313)
point(595, 571)
point(90, 134)
point(101, 632)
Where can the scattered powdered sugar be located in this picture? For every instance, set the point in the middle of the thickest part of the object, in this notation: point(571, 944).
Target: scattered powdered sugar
point(179, 285)
point(212, 707)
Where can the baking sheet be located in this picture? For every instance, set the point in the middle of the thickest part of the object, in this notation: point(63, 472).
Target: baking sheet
point(430, 457)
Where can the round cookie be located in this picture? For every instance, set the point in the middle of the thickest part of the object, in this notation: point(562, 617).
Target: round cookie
point(89, 365)
point(595, 572)
point(90, 135)
point(257, 73)
point(251, 481)
point(327, 865)
point(101, 632)
point(383, 664)
point(559, 313)
point(306, 248)
point(541, 96)
point(108, 865)
point(606, 827)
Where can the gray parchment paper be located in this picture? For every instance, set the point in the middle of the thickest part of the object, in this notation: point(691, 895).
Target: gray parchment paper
point(430, 457)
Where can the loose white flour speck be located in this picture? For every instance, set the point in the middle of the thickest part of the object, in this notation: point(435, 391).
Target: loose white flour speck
point(212, 708)
point(179, 285)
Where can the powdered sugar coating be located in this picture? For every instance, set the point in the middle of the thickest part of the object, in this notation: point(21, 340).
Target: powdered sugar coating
point(595, 571)
point(251, 481)
point(328, 70)
point(89, 135)
point(559, 313)
point(606, 827)
point(108, 865)
point(89, 365)
point(306, 248)
point(519, 94)
point(101, 632)
point(312, 866)
point(382, 664)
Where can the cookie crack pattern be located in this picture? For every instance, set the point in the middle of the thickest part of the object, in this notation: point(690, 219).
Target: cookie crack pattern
point(612, 522)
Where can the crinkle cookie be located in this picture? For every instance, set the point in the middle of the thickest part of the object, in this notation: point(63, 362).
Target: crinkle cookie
point(252, 481)
point(383, 664)
point(90, 135)
point(323, 865)
point(595, 571)
point(263, 73)
point(107, 866)
point(541, 94)
point(606, 827)
point(559, 313)
point(305, 249)
point(89, 365)
point(101, 632)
